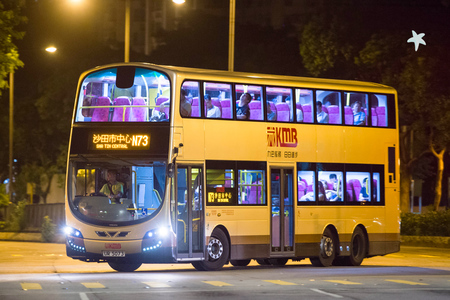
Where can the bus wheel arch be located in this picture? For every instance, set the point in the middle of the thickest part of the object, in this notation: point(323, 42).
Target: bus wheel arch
point(217, 251)
point(328, 248)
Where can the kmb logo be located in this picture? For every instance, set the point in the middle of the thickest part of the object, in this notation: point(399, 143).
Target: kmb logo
point(281, 137)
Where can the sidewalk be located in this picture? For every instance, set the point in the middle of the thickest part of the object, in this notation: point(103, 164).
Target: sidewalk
point(417, 241)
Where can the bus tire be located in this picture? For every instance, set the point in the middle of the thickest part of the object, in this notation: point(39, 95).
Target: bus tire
point(263, 261)
point(358, 250)
point(124, 266)
point(327, 251)
point(240, 262)
point(217, 252)
point(278, 261)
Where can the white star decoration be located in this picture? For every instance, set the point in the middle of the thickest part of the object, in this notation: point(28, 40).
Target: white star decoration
point(417, 39)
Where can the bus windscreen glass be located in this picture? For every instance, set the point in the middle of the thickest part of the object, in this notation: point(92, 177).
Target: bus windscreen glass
point(103, 97)
point(116, 193)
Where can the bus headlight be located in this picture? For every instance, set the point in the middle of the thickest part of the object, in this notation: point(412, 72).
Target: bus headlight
point(153, 239)
point(74, 239)
point(69, 231)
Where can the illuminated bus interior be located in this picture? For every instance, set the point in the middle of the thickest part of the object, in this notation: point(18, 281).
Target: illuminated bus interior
point(106, 96)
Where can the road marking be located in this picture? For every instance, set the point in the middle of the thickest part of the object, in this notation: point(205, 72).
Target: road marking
point(83, 296)
point(30, 286)
point(325, 293)
point(343, 281)
point(154, 284)
point(93, 285)
point(393, 255)
point(430, 256)
point(280, 282)
point(16, 255)
point(406, 282)
point(217, 283)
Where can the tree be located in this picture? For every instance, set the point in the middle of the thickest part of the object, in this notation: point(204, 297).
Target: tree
point(10, 19)
point(385, 57)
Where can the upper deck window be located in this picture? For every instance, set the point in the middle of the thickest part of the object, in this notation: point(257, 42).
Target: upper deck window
point(279, 104)
point(124, 94)
point(356, 109)
point(217, 99)
point(249, 102)
point(328, 105)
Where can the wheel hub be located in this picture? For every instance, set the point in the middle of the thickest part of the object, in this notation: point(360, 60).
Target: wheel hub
point(215, 248)
point(327, 247)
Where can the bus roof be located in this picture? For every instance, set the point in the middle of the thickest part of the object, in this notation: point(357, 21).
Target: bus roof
point(306, 82)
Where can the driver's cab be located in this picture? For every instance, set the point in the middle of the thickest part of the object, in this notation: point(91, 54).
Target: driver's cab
point(138, 190)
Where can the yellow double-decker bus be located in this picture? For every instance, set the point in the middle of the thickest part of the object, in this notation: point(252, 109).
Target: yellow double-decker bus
point(169, 164)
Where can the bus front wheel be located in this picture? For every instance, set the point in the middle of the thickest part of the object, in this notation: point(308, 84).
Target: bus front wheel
point(218, 251)
point(124, 266)
point(327, 251)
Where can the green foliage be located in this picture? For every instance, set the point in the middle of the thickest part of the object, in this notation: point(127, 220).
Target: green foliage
point(4, 197)
point(2, 225)
point(18, 221)
point(48, 230)
point(427, 224)
point(10, 19)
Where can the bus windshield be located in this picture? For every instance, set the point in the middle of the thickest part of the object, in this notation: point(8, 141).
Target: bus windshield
point(124, 94)
point(106, 192)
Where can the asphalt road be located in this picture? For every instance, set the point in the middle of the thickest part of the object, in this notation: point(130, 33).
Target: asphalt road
point(42, 271)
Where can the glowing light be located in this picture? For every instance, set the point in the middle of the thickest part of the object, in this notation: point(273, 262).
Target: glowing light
point(68, 230)
point(417, 39)
point(75, 1)
point(178, 1)
point(51, 49)
point(163, 231)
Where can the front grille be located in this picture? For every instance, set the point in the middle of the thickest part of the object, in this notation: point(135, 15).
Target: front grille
point(112, 233)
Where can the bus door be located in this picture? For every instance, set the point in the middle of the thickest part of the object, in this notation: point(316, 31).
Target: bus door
point(282, 210)
point(190, 205)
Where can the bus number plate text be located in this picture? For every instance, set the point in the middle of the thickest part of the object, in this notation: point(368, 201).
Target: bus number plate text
point(113, 253)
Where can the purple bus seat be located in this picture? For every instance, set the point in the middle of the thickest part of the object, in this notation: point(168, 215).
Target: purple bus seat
point(255, 110)
point(101, 114)
point(310, 188)
point(283, 112)
point(334, 114)
point(226, 108)
point(307, 113)
point(121, 114)
point(381, 113)
point(325, 109)
point(138, 114)
point(356, 184)
point(348, 115)
point(350, 192)
point(195, 107)
point(301, 189)
point(374, 117)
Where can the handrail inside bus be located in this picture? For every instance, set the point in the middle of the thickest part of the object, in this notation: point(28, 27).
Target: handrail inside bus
point(157, 194)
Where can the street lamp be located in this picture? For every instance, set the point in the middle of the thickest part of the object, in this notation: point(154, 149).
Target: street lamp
point(11, 124)
point(231, 36)
point(127, 26)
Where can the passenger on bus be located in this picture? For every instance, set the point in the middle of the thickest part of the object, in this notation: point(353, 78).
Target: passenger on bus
point(322, 117)
point(335, 194)
point(363, 195)
point(271, 115)
point(243, 111)
point(212, 111)
point(112, 188)
point(185, 106)
point(322, 193)
point(359, 117)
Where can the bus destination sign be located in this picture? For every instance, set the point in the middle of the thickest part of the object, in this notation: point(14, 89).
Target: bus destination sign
point(119, 141)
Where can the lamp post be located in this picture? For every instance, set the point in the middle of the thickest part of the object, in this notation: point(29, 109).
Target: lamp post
point(231, 36)
point(127, 26)
point(11, 131)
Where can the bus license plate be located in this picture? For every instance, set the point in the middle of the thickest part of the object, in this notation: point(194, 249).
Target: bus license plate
point(113, 253)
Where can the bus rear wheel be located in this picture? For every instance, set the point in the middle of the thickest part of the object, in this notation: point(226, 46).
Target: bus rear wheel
point(124, 266)
point(358, 249)
point(327, 251)
point(218, 251)
point(240, 262)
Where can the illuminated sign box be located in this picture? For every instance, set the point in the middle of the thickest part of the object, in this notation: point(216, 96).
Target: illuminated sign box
point(119, 141)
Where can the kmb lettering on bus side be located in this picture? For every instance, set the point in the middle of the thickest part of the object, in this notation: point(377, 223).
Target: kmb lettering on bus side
point(282, 137)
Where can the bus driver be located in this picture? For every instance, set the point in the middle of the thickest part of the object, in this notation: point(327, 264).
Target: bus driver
point(112, 188)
